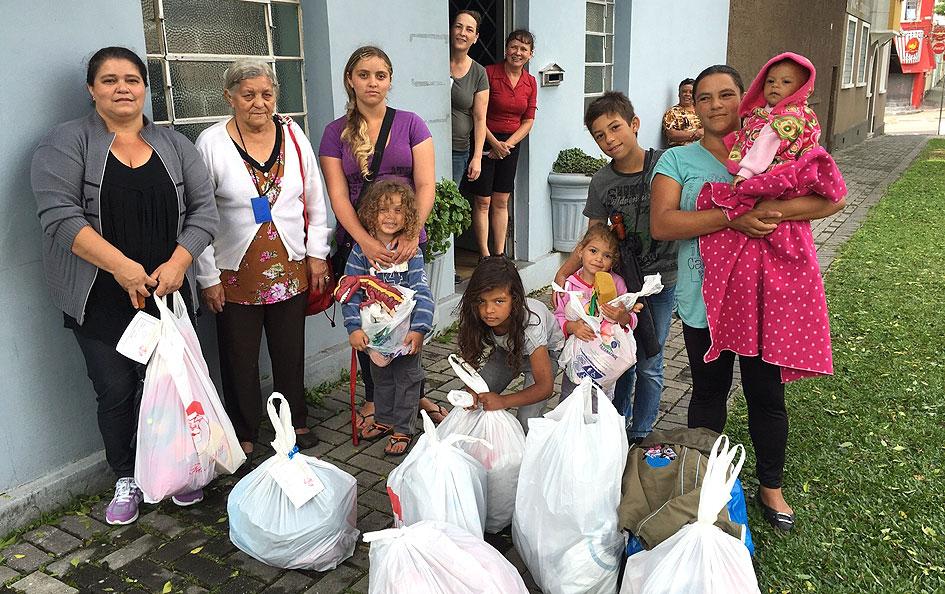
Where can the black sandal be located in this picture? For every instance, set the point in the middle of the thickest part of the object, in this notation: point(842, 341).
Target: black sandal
point(780, 521)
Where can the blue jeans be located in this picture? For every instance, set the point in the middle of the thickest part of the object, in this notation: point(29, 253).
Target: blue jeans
point(460, 162)
point(647, 375)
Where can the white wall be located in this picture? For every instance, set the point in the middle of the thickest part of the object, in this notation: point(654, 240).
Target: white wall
point(671, 40)
point(48, 414)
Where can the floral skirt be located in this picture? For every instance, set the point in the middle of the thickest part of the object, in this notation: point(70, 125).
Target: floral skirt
point(266, 274)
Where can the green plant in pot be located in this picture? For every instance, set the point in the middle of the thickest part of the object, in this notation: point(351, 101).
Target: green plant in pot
point(575, 160)
point(451, 215)
point(569, 179)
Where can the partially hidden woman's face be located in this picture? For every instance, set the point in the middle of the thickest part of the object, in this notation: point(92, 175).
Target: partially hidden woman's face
point(370, 78)
point(118, 90)
point(464, 34)
point(253, 101)
point(716, 103)
point(518, 53)
point(685, 95)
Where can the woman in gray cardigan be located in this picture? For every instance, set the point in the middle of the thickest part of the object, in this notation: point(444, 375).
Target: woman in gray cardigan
point(125, 207)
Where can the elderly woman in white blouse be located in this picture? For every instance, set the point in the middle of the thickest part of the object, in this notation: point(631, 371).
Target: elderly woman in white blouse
point(270, 250)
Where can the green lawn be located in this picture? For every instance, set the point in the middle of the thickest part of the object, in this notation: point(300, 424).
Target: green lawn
point(867, 447)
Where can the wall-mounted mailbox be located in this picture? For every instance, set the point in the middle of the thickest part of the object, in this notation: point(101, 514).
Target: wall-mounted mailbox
point(552, 75)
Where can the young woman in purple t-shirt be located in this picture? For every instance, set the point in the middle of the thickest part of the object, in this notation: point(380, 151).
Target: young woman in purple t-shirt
point(345, 155)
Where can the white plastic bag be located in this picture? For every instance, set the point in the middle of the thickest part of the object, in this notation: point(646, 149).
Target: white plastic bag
point(565, 525)
point(502, 461)
point(439, 481)
point(613, 350)
point(185, 439)
point(603, 359)
point(387, 332)
point(437, 558)
point(700, 558)
point(267, 525)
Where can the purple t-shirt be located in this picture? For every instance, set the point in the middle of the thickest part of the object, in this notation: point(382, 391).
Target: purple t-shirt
point(406, 131)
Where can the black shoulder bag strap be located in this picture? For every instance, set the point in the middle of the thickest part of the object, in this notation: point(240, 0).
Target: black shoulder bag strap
point(340, 257)
point(379, 147)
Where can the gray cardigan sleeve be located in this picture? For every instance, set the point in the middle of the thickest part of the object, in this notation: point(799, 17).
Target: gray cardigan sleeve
point(56, 176)
point(201, 219)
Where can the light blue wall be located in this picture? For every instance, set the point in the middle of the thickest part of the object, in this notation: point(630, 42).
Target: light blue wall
point(559, 38)
point(669, 41)
point(48, 411)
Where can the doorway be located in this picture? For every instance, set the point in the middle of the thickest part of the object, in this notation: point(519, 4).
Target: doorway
point(496, 24)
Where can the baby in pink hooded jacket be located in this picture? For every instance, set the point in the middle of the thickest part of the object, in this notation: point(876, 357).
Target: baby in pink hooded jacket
point(781, 127)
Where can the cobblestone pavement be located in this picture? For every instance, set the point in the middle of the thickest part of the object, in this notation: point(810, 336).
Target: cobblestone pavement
point(188, 549)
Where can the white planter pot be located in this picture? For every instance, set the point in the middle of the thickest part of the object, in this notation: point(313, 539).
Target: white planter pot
point(568, 197)
point(436, 271)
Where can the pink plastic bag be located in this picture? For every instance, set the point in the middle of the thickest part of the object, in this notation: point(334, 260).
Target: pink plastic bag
point(185, 438)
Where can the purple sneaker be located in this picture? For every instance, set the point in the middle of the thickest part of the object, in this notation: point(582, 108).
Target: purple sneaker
point(190, 498)
point(124, 506)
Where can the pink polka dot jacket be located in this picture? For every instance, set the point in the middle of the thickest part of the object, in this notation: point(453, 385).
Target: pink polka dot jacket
point(765, 296)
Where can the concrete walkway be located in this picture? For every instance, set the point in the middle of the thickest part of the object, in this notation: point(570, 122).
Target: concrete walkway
point(188, 549)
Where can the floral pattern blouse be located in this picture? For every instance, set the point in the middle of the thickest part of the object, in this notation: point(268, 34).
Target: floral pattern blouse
point(266, 275)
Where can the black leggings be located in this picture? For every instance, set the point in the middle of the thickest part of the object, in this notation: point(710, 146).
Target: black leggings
point(118, 382)
point(764, 394)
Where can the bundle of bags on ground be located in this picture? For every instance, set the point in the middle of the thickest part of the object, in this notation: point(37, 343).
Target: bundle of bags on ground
point(662, 484)
point(185, 438)
point(565, 525)
point(703, 557)
point(439, 481)
point(614, 349)
point(437, 558)
point(294, 511)
point(500, 450)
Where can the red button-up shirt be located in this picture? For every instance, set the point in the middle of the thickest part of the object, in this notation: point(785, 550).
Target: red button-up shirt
point(509, 107)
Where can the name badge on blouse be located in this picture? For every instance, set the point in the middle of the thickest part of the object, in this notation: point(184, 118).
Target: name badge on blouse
point(261, 209)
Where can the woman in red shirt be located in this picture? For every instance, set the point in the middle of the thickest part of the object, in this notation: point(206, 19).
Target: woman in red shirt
point(513, 95)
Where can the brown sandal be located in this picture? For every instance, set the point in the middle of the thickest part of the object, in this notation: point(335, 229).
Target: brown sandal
point(440, 411)
point(394, 441)
point(363, 420)
point(377, 431)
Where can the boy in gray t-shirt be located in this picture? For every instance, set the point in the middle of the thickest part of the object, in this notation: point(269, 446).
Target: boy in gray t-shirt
point(619, 195)
point(614, 193)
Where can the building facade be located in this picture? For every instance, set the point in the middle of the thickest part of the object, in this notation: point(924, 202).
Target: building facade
point(48, 427)
point(846, 41)
point(913, 61)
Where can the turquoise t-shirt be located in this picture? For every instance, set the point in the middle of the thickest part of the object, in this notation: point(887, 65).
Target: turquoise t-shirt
point(691, 166)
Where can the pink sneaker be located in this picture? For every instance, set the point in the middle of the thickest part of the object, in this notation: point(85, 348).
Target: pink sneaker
point(123, 508)
point(185, 499)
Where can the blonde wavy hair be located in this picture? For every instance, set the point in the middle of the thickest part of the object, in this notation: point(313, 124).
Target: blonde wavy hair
point(378, 195)
point(355, 133)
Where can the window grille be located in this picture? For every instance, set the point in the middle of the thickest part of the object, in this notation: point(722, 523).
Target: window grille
point(190, 43)
point(598, 48)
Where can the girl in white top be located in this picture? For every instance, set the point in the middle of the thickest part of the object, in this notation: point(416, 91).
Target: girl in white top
point(523, 334)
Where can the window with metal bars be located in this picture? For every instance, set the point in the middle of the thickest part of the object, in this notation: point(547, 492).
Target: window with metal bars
point(190, 43)
point(598, 49)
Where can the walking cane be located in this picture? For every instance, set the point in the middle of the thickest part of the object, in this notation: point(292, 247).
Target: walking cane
point(353, 382)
